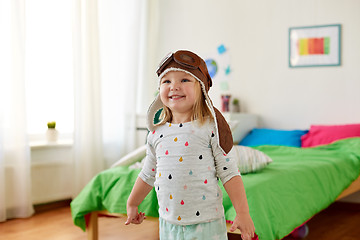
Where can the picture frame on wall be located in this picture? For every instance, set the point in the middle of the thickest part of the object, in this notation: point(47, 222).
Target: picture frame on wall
point(315, 46)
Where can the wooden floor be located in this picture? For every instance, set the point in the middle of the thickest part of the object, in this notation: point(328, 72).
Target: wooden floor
point(341, 221)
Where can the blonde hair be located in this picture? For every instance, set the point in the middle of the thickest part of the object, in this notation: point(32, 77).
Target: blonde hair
point(200, 110)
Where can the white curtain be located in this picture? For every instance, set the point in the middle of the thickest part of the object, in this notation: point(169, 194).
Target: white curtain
point(107, 43)
point(15, 184)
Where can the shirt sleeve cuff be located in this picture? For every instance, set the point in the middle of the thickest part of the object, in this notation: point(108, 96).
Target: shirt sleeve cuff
point(146, 178)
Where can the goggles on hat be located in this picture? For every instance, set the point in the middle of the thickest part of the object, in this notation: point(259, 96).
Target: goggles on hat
point(186, 59)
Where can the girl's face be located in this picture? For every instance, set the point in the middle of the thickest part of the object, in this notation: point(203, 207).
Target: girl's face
point(178, 92)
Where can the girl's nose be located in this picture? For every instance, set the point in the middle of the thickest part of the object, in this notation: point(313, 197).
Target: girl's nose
point(175, 86)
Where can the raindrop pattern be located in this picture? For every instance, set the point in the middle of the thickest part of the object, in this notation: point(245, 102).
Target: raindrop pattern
point(186, 172)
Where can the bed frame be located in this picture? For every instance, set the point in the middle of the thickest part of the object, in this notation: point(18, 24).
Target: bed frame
point(92, 228)
point(241, 125)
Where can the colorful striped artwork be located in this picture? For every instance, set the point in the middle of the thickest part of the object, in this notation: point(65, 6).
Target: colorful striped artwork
point(312, 46)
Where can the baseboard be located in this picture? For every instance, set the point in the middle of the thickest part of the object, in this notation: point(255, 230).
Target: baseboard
point(346, 206)
point(51, 205)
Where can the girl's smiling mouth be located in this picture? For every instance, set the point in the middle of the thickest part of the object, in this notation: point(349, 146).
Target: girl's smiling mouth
point(176, 97)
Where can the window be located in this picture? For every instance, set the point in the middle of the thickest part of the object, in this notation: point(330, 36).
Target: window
point(49, 65)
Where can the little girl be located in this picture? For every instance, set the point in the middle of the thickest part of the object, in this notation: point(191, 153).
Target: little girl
point(186, 155)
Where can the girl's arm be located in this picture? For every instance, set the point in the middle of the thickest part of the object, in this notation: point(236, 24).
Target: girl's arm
point(143, 185)
point(236, 191)
point(137, 195)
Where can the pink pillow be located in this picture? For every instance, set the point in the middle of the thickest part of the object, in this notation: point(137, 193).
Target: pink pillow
point(320, 134)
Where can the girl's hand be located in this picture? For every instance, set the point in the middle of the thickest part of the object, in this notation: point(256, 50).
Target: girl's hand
point(245, 224)
point(134, 216)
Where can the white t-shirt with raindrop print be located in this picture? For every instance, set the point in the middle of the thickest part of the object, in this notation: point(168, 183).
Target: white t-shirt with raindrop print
point(183, 162)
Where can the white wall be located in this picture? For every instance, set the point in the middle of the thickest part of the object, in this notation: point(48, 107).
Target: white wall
point(256, 35)
point(51, 173)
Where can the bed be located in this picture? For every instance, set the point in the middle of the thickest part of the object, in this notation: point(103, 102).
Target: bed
point(300, 182)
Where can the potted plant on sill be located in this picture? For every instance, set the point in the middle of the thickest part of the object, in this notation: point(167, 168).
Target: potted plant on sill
point(52, 134)
point(236, 105)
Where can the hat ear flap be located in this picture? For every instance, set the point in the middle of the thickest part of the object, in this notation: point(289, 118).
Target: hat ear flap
point(151, 114)
point(224, 135)
point(224, 132)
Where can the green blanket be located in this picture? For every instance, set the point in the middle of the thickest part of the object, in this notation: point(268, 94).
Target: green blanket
point(298, 184)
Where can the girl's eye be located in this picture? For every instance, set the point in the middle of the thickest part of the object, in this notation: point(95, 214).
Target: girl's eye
point(165, 81)
point(185, 80)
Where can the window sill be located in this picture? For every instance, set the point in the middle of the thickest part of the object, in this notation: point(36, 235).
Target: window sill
point(62, 143)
